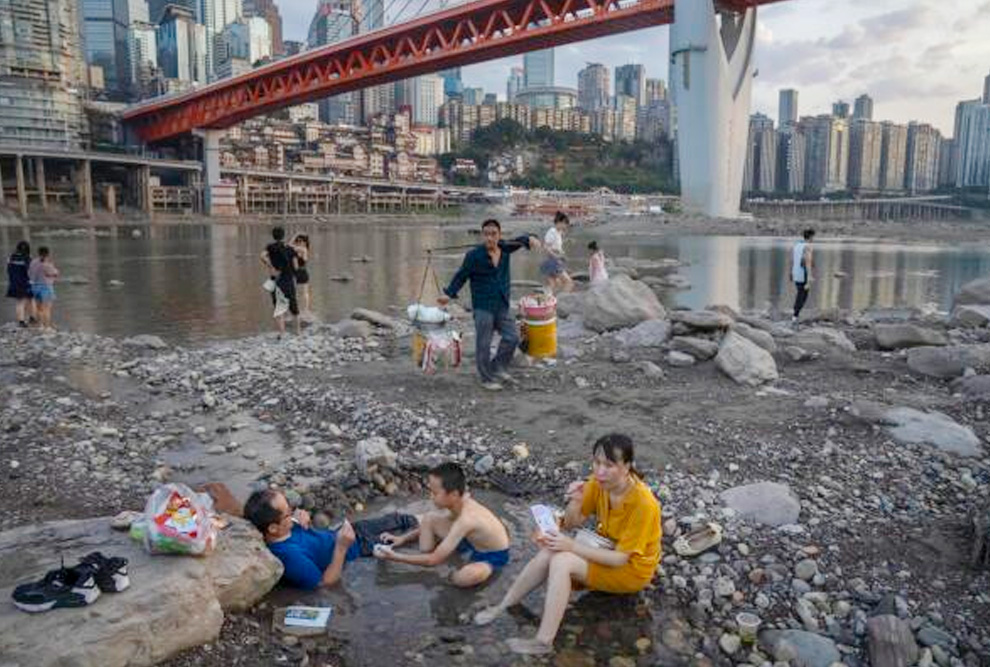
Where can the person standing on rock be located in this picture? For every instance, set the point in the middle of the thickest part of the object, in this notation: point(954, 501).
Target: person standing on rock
point(553, 268)
point(487, 267)
point(626, 513)
point(19, 283)
point(281, 261)
point(801, 265)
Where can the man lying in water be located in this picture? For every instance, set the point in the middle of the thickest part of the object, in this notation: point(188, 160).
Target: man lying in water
point(461, 525)
point(312, 557)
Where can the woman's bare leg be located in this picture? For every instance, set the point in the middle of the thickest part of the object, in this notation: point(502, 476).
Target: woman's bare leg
point(534, 574)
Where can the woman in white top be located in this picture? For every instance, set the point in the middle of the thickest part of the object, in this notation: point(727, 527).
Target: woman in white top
point(553, 270)
point(596, 264)
point(801, 271)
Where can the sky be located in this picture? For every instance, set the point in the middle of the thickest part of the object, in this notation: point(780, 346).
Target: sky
point(915, 58)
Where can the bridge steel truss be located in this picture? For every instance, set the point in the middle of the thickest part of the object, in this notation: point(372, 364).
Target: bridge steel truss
point(462, 35)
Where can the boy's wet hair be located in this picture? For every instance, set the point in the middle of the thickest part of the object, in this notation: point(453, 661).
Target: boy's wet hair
point(451, 477)
point(259, 510)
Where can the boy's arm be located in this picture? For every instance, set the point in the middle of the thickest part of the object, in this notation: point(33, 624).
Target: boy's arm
point(458, 532)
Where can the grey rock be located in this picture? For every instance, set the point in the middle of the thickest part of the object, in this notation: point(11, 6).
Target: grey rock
point(141, 626)
point(730, 643)
point(744, 361)
point(758, 336)
point(485, 464)
point(374, 317)
point(974, 292)
point(822, 338)
point(703, 320)
point(699, 348)
point(651, 370)
point(806, 569)
point(970, 316)
point(570, 304)
point(145, 341)
point(974, 386)
point(373, 452)
point(797, 354)
point(947, 362)
point(679, 359)
point(800, 648)
point(352, 329)
point(933, 428)
point(651, 333)
point(891, 642)
point(899, 336)
point(619, 303)
point(930, 635)
point(768, 503)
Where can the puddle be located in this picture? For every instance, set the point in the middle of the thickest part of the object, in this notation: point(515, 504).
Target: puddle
point(388, 613)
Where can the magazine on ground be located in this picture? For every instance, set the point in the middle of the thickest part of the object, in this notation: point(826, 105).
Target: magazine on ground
point(308, 617)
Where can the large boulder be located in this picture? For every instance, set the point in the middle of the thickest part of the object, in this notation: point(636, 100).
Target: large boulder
point(620, 303)
point(744, 361)
point(767, 503)
point(822, 338)
point(372, 452)
point(703, 320)
point(947, 362)
point(891, 642)
point(352, 329)
point(374, 317)
point(699, 348)
point(172, 604)
point(758, 336)
point(911, 426)
point(651, 333)
point(570, 303)
point(974, 386)
point(976, 291)
point(898, 336)
point(800, 648)
point(970, 317)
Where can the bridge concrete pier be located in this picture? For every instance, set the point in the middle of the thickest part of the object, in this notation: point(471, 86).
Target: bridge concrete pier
point(711, 75)
point(22, 200)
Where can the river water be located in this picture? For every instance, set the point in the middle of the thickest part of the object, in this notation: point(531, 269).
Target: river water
point(195, 282)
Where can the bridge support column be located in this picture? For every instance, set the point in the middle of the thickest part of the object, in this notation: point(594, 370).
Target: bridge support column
point(711, 74)
point(39, 176)
point(84, 187)
point(22, 200)
point(218, 198)
point(2, 196)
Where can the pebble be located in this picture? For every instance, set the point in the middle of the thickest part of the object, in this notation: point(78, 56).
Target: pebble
point(806, 569)
point(730, 643)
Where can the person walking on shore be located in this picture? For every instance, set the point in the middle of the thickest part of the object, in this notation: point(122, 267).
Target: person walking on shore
point(42, 274)
point(300, 243)
point(801, 265)
point(281, 261)
point(19, 283)
point(553, 268)
point(487, 267)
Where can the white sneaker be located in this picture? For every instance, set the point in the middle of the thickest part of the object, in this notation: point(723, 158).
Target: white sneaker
point(491, 386)
point(505, 377)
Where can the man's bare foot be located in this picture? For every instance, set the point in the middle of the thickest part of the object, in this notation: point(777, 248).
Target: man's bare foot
point(487, 615)
point(528, 646)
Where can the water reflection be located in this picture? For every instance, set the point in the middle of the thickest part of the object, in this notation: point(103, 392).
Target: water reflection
point(193, 282)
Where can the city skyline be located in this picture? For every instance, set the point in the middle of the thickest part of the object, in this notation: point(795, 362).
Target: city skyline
point(913, 63)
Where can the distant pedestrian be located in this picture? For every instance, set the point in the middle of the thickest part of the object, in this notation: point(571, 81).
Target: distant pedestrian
point(487, 267)
point(801, 266)
point(19, 283)
point(597, 272)
point(43, 273)
point(281, 261)
point(300, 243)
point(554, 268)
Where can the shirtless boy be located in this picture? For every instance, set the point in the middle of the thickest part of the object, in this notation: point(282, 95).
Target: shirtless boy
point(461, 524)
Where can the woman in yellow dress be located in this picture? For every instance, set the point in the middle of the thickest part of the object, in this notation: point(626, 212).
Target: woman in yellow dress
point(626, 512)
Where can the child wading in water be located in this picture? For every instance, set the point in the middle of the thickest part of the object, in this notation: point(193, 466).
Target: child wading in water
point(42, 274)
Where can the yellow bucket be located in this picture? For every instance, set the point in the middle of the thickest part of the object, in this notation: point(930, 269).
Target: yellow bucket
point(418, 345)
point(541, 338)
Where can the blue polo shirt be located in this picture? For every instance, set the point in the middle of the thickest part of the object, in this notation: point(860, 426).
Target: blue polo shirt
point(306, 553)
point(490, 285)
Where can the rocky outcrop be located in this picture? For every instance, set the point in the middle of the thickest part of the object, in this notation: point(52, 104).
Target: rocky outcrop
point(651, 333)
point(947, 362)
point(911, 426)
point(173, 603)
point(754, 335)
point(822, 339)
point(620, 303)
point(699, 348)
point(899, 336)
point(767, 503)
point(891, 642)
point(702, 320)
point(970, 316)
point(974, 292)
point(744, 361)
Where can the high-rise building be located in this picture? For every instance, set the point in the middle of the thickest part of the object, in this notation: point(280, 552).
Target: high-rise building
point(182, 46)
point(787, 107)
point(630, 80)
point(865, 148)
point(104, 33)
point(268, 10)
point(893, 156)
point(335, 21)
point(156, 8)
point(424, 94)
point(972, 137)
point(593, 93)
point(826, 152)
point(215, 15)
point(759, 174)
point(656, 91)
point(986, 90)
point(137, 11)
point(625, 122)
point(142, 47)
point(247, 39)
point(41, 72)
point(538, 69)
point(863, 108)
point(840, 109)
point(924, 144)
point(291, 47)
point(947, 163)
point(653, 121)
point(791, 158)
point(514, 84)
point(473, 95)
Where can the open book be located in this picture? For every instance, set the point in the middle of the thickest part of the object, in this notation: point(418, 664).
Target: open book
point(545, 519)
point(308, 617)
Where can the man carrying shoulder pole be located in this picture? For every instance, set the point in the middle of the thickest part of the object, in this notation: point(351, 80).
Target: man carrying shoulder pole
point(487, 267)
